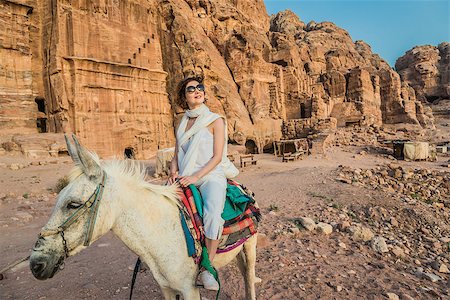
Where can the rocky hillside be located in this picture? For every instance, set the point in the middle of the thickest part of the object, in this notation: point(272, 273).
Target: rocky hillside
point(108, 70)
point(427, 70)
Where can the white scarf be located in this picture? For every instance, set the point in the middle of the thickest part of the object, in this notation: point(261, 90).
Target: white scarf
point(186, 160)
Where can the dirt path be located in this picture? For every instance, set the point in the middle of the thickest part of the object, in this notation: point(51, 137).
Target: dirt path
point(293, 263)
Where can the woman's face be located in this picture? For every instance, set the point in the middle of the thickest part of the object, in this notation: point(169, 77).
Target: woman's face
point(195, 94)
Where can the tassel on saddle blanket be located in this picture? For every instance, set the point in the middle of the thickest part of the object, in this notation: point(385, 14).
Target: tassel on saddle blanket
point(240, 214)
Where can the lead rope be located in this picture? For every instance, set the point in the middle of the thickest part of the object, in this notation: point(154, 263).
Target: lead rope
point(137, 267)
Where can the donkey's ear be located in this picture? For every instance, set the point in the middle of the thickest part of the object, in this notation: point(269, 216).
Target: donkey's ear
point(89, 162)
point(72, 151)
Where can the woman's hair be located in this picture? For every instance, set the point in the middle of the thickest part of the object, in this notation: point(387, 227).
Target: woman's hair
point(181, 100)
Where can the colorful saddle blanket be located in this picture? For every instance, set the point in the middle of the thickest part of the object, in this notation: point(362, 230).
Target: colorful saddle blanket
point(240, 213)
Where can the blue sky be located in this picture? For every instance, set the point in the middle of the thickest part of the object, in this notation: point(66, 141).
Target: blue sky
point(390, 27)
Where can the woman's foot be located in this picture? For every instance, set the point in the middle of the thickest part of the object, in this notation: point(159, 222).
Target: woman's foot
point(208, 281)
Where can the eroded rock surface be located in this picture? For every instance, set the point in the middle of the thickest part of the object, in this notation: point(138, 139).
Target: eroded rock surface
point(108, 70)
point(427, 70)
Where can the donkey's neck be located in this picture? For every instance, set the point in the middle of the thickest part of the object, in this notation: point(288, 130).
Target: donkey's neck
point(148, 224)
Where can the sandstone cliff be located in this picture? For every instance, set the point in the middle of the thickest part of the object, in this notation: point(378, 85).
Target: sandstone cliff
point(107, 70)
point(427, 70)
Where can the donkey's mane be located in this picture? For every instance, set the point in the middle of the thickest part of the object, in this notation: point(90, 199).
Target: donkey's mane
point(131, 173)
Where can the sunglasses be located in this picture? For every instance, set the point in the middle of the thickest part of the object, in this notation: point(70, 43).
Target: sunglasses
point(190, 89)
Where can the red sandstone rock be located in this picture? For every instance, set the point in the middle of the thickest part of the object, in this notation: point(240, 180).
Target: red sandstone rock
point(108, 71)
point(426, 69)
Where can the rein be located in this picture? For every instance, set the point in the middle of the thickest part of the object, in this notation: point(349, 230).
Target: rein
point(90, 205)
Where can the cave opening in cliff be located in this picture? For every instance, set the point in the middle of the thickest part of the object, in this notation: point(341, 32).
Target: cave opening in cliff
point(281, 62)
point(431, 98)
point(40, 104)
point(41, 124)
point(250, 147)
point(353, 123)
point(268, 148)
point(128, 153)
point(41, 120)
point(302, 111)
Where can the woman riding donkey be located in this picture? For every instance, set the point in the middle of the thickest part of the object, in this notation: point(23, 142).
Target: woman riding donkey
point(200, 159)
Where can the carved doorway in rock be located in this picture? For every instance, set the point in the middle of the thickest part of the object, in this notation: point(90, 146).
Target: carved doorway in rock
point(41, 120)
point(129, 153)
point(269, 148)
point(250, 147)
point(302, 111)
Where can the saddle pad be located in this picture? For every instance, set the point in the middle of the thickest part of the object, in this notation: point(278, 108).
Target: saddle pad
point(237, 199)
point(237, 228)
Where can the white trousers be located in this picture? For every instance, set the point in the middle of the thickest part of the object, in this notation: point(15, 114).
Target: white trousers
point(213, 189)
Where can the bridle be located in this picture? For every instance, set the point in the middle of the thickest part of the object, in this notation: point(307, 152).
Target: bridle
point(90, 205)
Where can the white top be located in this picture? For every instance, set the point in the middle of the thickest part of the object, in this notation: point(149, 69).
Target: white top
point(205, 151)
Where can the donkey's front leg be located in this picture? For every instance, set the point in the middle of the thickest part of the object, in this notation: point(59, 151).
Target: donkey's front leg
point(191, 293)
point(168, 293)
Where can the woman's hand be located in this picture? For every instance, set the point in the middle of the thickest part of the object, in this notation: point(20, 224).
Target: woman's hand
point(172, 178)
point(187, 180)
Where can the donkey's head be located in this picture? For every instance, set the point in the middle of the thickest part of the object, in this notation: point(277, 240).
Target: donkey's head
point(79, 216)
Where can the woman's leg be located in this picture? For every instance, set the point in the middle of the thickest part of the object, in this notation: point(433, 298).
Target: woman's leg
point(213, 192)
point(211, 245)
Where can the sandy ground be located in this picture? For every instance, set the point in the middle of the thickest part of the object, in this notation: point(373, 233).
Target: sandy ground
point(293, 263)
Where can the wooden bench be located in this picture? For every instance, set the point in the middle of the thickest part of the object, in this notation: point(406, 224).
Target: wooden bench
point(247, 159)
point(289, 156)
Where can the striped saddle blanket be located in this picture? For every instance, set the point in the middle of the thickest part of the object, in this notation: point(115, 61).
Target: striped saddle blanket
point(241, 216)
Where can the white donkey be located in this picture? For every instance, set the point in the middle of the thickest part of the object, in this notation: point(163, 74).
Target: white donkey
point(113, 195)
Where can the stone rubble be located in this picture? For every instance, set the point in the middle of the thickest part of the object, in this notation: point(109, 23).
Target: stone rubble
point(403, 183)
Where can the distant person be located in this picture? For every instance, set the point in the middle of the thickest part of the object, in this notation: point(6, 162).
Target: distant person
point(199, 151)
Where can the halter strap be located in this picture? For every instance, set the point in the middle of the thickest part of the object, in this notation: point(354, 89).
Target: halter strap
point(91, 204)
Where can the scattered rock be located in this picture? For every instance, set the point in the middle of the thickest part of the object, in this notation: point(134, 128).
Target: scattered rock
point(393, 221)
point(392, 296)
point(343, 225)
point(308, 223)
point(360, 232)
point(379, 245)
point(407, 297)
point(294, 230)
point(14, 167)
point(398, 252)
point(445, 240)
point(398, 182)
point(324, 228)
point(342, 245)
point(431, 277)
point(439, 266)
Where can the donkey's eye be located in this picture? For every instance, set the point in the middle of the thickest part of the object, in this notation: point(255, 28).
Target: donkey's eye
point(73, 205)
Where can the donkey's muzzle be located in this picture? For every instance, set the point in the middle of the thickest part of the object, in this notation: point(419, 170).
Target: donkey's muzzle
point(44, 266)
point(38, 269)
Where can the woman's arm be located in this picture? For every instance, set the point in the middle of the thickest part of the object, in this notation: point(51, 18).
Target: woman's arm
point(218, 131)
